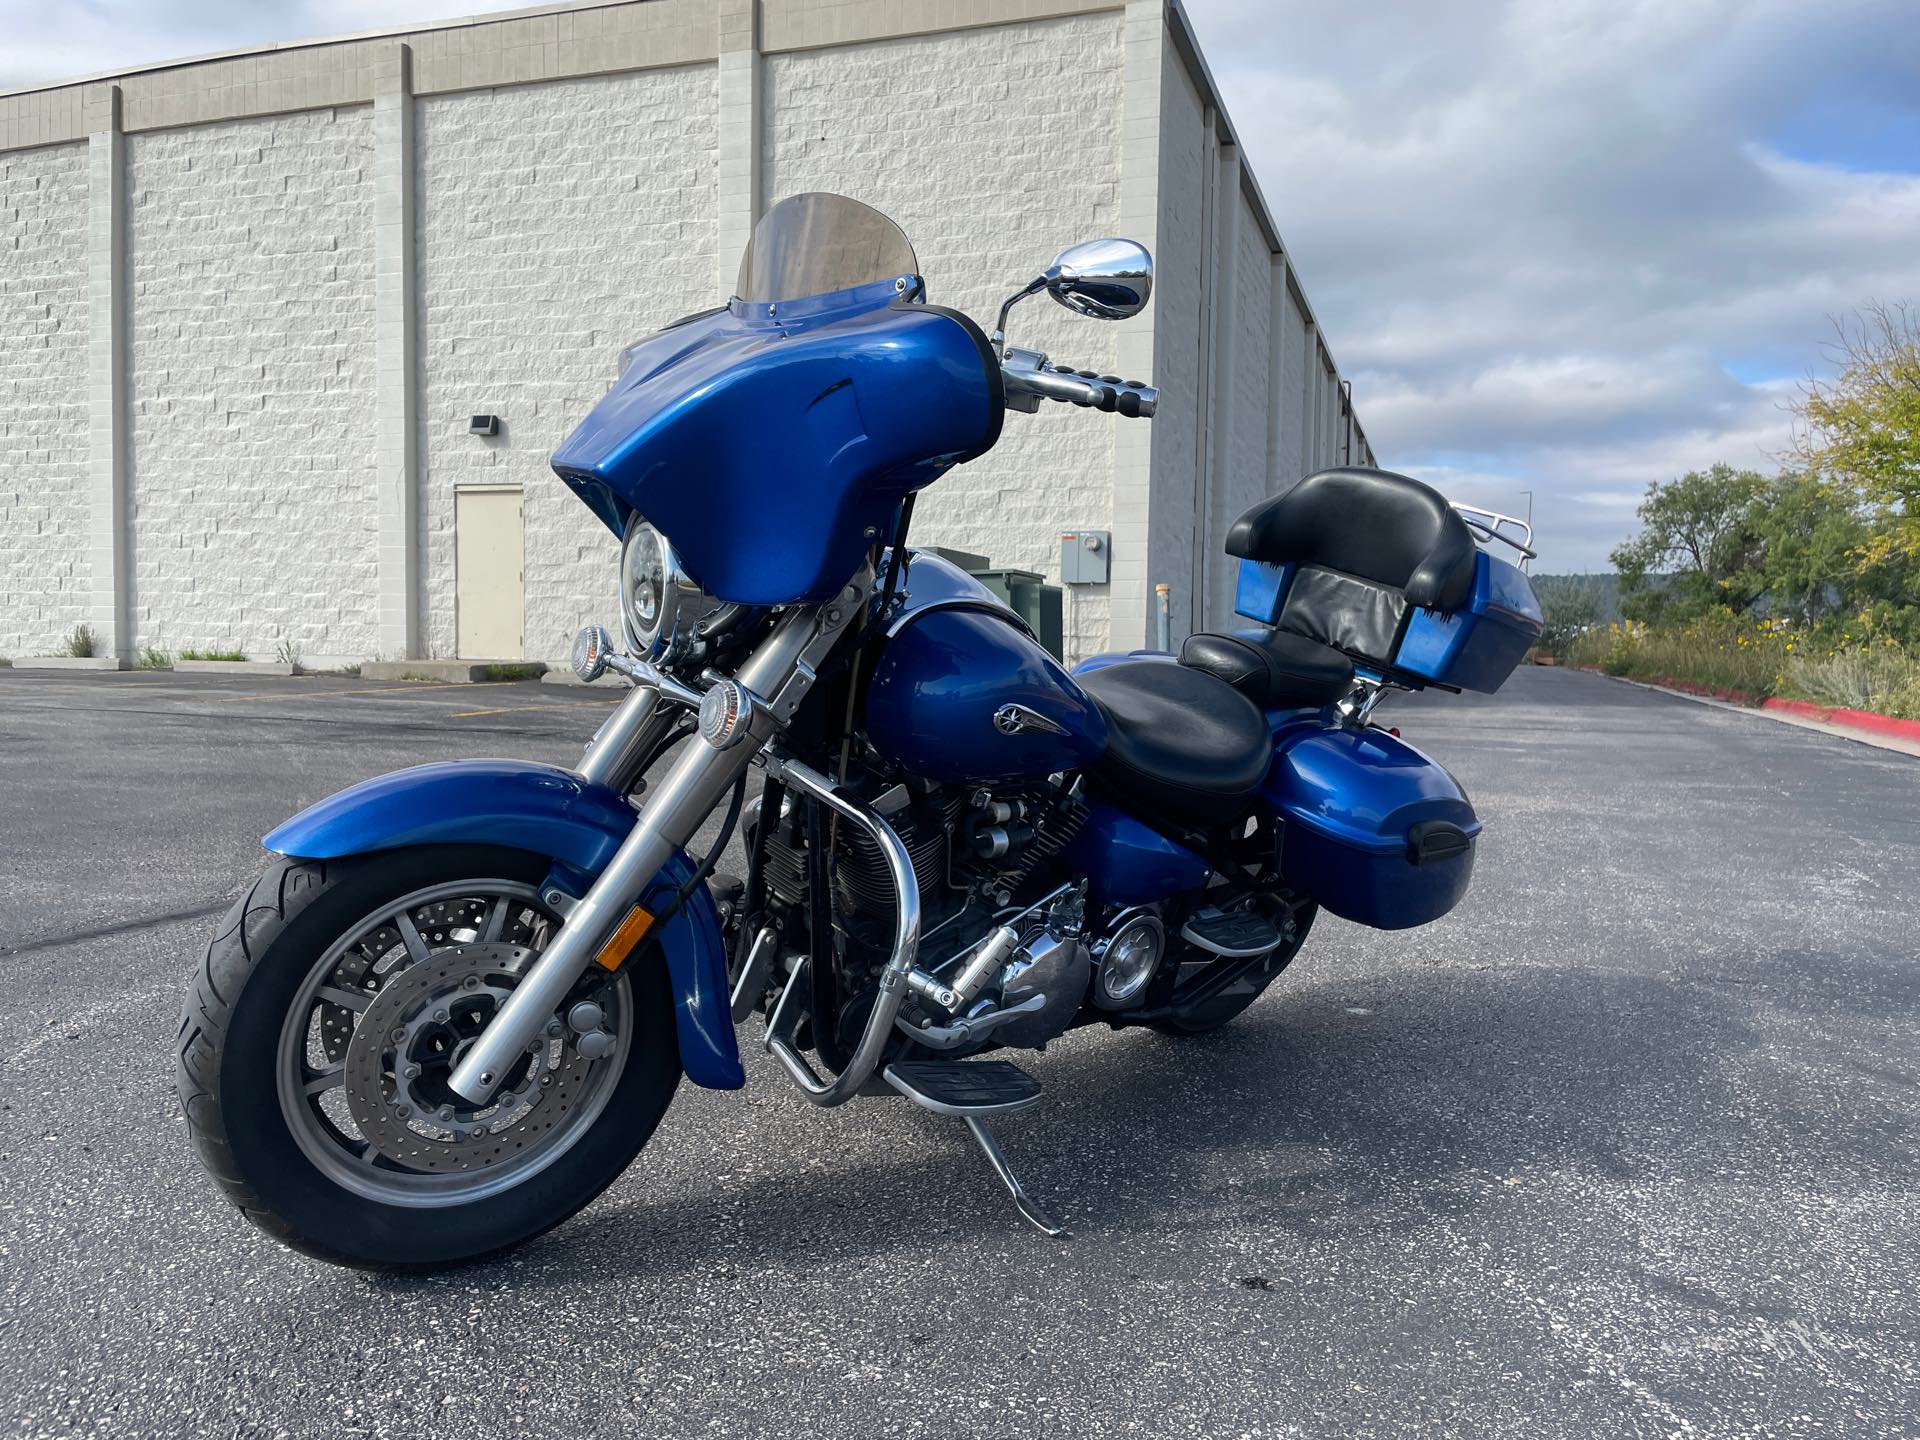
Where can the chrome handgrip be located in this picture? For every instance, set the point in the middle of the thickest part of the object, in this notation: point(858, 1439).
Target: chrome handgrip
point(1029, 378)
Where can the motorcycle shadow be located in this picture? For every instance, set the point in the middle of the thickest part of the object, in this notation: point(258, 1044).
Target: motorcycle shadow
point(1333, 1110)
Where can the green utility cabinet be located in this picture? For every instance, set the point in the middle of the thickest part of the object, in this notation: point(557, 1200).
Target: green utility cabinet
point(1029, 596)
point(1025, 592)
point(968, 561)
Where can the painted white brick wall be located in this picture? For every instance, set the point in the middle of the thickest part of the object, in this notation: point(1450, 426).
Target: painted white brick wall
point(251, 476)
point(1292, 351)
point(1179, 311)
point(1250, 394)
point(43, 397)
point(558, 222)
point(992, 153)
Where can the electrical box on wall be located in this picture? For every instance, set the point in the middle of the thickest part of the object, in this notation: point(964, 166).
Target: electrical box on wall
point(1084, 556)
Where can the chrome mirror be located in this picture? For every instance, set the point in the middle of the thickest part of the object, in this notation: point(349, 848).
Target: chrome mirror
point(1103, 279)
point(1107, 279)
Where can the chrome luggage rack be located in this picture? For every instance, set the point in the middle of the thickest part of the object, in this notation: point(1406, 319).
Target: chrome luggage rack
point(1492, 525)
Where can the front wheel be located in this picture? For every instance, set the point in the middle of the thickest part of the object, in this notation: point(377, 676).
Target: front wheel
point(323, 1024)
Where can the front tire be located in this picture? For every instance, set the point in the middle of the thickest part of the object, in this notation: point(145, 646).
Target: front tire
point(340, 1139)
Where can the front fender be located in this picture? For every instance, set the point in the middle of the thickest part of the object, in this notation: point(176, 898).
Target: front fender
point(552, 812)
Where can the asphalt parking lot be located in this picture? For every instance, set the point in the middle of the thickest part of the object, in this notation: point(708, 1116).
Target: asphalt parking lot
point(1625, 1146)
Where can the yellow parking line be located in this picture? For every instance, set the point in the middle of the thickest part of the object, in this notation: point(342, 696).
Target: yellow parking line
point(513, 709)
point(375, 690)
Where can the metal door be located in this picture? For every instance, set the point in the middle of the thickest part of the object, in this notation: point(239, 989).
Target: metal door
point(489, 587)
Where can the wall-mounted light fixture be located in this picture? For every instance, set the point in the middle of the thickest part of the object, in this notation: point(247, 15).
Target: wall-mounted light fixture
point(484, 425)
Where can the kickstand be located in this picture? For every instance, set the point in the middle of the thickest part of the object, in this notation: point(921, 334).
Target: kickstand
point(1026, 1204)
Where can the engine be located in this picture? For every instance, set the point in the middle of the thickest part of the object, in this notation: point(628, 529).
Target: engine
point(980, 855)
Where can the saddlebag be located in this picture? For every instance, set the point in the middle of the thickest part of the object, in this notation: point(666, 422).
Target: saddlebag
point(1370, 828)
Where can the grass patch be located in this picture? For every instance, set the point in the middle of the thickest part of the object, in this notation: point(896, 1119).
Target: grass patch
point(212, 655)
point(81, 643)
point(1884, 679)
point(1755, 660)
point(152, 657)
point(511, 672)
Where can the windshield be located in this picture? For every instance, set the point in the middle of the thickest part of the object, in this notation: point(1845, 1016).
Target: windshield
point(817, 243)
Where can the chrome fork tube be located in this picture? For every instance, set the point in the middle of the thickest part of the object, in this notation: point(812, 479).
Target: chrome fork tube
point(614, 754)
point(674, 811)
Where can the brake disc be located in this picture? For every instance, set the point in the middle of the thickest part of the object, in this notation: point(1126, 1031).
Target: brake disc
point(414, 1033)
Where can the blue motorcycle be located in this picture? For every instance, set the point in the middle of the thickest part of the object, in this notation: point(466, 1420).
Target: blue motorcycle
point(458, 1002)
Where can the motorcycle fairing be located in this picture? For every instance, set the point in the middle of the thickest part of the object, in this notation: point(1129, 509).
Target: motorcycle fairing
point(773, 443)
point(551, 812)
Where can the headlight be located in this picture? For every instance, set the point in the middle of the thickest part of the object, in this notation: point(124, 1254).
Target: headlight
point(660, 605)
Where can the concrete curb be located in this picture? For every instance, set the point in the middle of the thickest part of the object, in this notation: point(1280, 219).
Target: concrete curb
point(233, 667)
point(447, 672)
point(609, 681)
point(68, 662)
point(1850, 719)
point(1785, 712)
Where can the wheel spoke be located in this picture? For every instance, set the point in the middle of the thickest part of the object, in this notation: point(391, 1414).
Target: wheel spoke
point(353, 1000)
point(496, 921)
point(410, 937)
point(322, 1081)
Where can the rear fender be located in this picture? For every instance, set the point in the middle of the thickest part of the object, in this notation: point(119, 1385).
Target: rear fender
point(552, 812)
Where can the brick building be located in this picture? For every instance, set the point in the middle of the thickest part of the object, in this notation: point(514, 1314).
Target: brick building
point(248, 304)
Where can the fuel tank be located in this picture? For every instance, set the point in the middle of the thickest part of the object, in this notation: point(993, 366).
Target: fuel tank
point(962, 691)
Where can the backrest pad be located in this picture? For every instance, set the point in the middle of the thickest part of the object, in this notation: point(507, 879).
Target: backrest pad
point(1369, 524)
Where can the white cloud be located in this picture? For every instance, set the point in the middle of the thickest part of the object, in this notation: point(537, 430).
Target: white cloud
point(1540, 233)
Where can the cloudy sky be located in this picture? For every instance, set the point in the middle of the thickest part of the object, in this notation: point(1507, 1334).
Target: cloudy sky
point(1570, 246)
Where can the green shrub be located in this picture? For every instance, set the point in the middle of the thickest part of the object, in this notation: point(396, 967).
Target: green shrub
point(152, 657)
point(213, 655)
point(81, 643)
point(1717, 651)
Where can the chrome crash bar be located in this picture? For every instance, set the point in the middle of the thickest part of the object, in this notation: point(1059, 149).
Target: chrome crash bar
point(899, 974)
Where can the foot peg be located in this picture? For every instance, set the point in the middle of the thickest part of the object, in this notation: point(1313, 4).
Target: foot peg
point(964, 1087)
point(1232, 934)
point(972, 1090)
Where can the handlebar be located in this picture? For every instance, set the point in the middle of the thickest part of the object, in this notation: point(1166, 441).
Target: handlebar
point(1030, 378)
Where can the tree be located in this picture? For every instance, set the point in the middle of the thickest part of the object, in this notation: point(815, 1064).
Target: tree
point(1569, 609)
point(1861, 431)
point(1810, 534)
point(1701, 527)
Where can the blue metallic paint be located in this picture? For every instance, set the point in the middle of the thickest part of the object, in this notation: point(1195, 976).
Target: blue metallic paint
point(547, 811)
point(769, 444)
point(1127, 862)
point(932, 582)
point(1347, 800)
point(1477, 646)
point(1260, 589)
point(938, 682)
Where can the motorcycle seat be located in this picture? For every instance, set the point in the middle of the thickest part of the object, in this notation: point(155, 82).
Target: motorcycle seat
point(1181, 743)
point(1273, 668)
